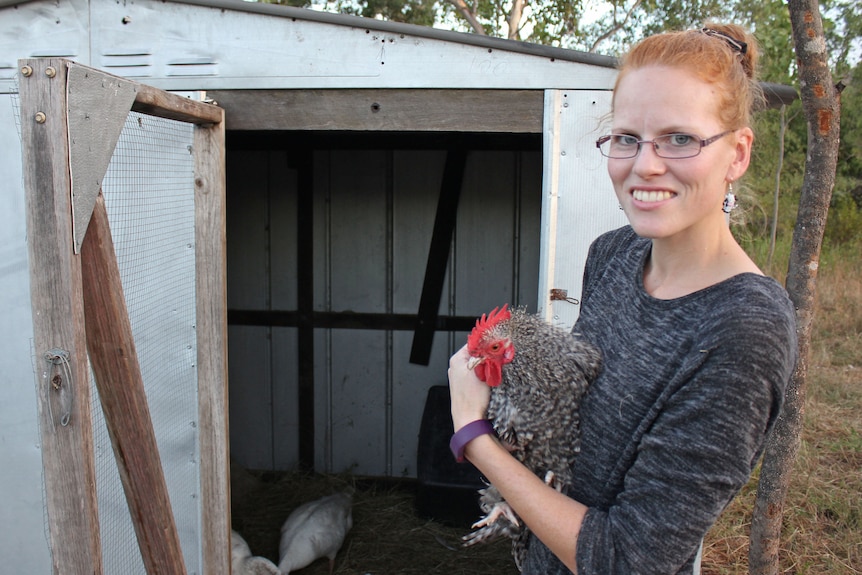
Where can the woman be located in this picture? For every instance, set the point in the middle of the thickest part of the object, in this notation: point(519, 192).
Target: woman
point(697, 344)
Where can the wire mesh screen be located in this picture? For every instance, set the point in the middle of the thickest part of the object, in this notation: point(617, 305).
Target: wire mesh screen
point(149, 194)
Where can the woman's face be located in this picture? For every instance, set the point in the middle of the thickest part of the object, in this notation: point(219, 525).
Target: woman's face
point(666, 198)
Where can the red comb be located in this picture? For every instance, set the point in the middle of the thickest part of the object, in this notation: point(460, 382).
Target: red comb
point(486, 322)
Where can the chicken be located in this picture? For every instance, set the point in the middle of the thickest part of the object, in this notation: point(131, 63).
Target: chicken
point(315, 529)
point(538, 374)
point(243, 563)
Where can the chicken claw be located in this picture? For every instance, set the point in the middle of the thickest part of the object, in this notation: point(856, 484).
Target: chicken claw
point(501, 509)
point(490, 528)
point(551, 479)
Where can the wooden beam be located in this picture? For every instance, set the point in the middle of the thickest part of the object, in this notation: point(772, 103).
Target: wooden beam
point(155, 102)
point(211, 323)
point(438, 255)
point(305, 305)
point(124, 402)
point(268, 140)
point(419, 110)
point(62, 385)
point(347, 320)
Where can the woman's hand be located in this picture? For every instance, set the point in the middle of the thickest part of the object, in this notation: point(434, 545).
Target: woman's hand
point(470, 395)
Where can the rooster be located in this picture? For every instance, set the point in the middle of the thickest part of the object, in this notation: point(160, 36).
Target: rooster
point(538, 374)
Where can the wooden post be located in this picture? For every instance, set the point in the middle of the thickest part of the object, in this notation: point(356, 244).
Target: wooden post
point(124, 402)
point(62, 376)
point(211, 274)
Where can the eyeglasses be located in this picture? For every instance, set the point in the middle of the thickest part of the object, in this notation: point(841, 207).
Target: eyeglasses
point(670, 146)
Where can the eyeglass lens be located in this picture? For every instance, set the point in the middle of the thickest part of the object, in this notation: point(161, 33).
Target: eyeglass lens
point(666, 146)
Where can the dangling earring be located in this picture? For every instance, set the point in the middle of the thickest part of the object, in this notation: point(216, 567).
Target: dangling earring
point(729, 199)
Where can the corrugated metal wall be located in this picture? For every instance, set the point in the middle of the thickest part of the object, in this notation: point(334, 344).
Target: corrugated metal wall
point(24, 543)
point(373, 213)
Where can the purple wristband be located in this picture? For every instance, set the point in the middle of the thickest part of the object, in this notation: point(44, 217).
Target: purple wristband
point(467, 434)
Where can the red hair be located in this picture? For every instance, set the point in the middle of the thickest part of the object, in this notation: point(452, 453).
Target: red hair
point(712, 58)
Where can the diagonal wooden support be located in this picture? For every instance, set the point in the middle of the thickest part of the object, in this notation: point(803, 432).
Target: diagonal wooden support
point(438, 256)
point(124, 402)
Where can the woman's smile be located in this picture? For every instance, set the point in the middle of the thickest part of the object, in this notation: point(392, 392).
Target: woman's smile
point(651, 196)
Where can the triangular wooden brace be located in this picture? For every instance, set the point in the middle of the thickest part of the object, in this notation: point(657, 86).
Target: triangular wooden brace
point(98, 106)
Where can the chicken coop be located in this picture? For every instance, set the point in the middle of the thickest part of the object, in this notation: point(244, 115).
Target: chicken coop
point(296, 271)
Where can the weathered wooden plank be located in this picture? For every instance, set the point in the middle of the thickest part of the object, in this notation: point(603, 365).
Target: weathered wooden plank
point(211, 281)
point(121, 389)
point(305, 305)
point(58, 323)
point(348, 320)
point(515, 111)
point(438, 255)
point(155, 102)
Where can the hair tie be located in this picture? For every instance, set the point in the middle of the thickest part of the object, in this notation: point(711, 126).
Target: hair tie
point(737, 46)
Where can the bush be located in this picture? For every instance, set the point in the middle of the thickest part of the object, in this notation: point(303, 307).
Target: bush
point(844, 222)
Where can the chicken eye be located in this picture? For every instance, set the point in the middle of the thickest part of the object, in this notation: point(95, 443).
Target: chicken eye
point(495, 347)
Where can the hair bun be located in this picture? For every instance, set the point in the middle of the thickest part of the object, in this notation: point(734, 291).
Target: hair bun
point(740, 41)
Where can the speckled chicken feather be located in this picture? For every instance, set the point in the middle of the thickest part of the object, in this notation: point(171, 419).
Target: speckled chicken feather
point(535, 409)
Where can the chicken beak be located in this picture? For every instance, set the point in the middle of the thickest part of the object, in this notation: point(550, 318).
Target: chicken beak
point(473, 362)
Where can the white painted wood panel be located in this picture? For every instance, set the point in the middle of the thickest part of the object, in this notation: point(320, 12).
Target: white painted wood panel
point(578, 201)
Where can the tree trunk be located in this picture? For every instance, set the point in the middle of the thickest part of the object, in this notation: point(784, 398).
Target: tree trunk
point(820, 102)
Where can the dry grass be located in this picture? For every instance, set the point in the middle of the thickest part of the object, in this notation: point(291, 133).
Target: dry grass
point(388, 537)
point(822, 531)
point(822, 528)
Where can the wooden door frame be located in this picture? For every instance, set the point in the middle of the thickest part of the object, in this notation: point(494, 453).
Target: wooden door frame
point(65, 323)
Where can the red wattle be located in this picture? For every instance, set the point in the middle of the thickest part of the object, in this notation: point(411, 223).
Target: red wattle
point(494, 373)
point(480, 372)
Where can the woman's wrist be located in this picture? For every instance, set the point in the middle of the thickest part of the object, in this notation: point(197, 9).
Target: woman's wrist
point(468, 433)
point(464, 419)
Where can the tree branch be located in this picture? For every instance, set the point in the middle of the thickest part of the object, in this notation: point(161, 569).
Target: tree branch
point(616, 26)
point(514, 19)
point(468, 15)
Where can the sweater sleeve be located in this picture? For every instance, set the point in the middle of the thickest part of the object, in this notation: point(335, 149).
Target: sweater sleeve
point(599, 252)
point(704, 437)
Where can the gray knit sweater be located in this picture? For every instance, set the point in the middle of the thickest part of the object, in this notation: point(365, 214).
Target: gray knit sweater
point(674, 425)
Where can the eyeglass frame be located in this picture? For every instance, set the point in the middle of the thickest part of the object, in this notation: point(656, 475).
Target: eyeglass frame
point(704, 142)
